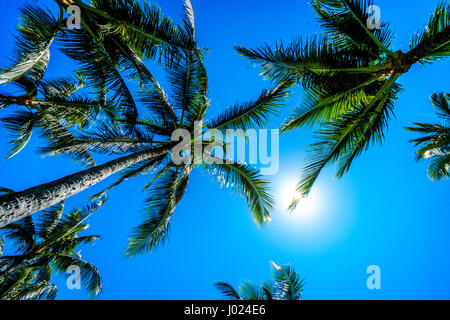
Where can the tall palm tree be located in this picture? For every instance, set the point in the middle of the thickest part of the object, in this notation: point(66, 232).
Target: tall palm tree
point(46, 244)
point(127, 23)
point(350, 79)
point(145, 145)
point(112, 50)
point(435, 142)
point(285, 285)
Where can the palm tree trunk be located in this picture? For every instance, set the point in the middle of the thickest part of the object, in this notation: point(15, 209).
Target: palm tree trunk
point(428, 46)
point(18, 205)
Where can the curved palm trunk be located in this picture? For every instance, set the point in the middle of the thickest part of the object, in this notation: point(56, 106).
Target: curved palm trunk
point(18, 205)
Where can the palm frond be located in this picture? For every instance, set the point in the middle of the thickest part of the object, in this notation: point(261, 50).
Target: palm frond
point(189, 85)
point(21, 234)
point(107, 138)
point(156, 101)
point(227, 290)
point(435, 140)
point(143, 26)
point(344, 139)
point(58, 135)
point(299, 58)
point(268, 289)
point(433, 43)
point(60, 88)
point(67, 246)
point(37, 30)
point(73, 223)
point(440, 102)
point(345, 21)
point(320, 108)
point(42, 290)
point(100, 70)
point(6, 190)
point(158, 211)
point(251, 291)
point(288, 285)
point(247, 182)
point(48, 220)
point(253, 114)
point(21, 124)
point(89, 274)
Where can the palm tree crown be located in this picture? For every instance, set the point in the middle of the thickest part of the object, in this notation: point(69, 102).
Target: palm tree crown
point(435, 142)
point(285, 285)
point(45, 244)
point(350, 79)
point(186, 105)
point(144, 138)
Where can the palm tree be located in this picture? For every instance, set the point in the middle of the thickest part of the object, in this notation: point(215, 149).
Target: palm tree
point(286, 285)
point(112, 50)
point(145, 145)
point(137, 31)
point(57, 106)
point(349, 77)
point(435, 141)
point(59, 109)
point(46, 244)
point(21, 284)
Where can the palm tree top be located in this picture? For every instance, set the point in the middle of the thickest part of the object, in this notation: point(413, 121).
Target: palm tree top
point(349, 76)
point(435, 140)
point(286, 284)
point(111, 62)
point(46, 244)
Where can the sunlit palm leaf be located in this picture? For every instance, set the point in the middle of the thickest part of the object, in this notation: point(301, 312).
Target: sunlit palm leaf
point(158, 211)
point(89, 275)
point(247, 182)
point(435, 140)
point(37, 31)
point(288, 285)
point(253, 114)
point(434, 42)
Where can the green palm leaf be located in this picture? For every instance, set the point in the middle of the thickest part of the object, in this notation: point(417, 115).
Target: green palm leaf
point(435, 140)
point(288, 284)
point(434, 42)
point(158, 211)
point(21, 124)
point(227, 290)
point(37, 30)
point(253, 114)
point(90, 277)
point(247, 182)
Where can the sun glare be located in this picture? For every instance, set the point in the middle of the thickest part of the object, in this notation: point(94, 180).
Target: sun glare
point(307, 208)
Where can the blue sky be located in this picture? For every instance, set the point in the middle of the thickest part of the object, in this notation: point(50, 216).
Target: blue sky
point(384, 212)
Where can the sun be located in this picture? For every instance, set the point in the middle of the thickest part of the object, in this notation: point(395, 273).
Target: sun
point(307, 208)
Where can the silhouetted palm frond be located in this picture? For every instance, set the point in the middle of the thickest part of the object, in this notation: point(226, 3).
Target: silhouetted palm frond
point(349, 76)
point(285, 285)
point(43, 245)
point(435, 141)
